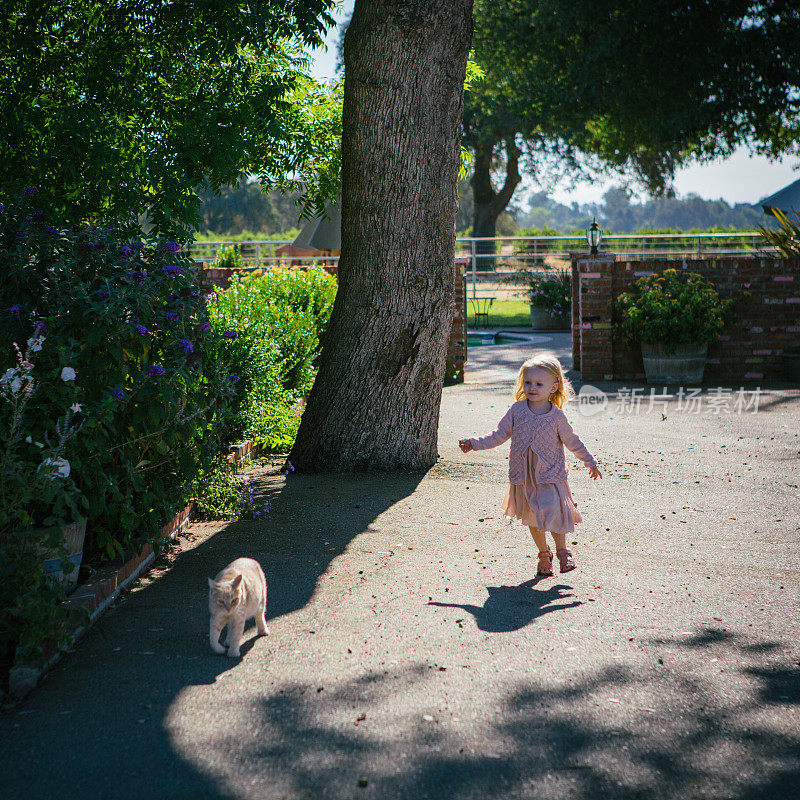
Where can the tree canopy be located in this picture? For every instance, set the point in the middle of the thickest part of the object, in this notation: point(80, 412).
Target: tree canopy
point(118, 109)
point(642, 86)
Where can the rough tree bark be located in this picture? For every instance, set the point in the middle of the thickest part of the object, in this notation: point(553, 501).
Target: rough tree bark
point(489, 203)
point(375, 401)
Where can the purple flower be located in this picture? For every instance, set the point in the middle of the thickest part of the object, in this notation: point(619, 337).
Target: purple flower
point(141, 330)
point(172, 269)
point(175, 295)
point(119, 393)
point(140, 275)
point(156, 370)
point(186, 345)
point(30, 191)
point(172, 247)
point(15, 309)
point(2, 208)
point(20, 234)
point(39, 327)
point(229, 334)
point(171, 316)
point(134, 318)
point(125, 253)
point(233, 378)
point(205, 327)
point(103, 295)
point(51, 230)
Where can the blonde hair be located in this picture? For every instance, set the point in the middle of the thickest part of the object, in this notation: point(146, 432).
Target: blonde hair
point(552, 366)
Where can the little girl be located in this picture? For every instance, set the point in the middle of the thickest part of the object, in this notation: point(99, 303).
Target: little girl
point(538, 493)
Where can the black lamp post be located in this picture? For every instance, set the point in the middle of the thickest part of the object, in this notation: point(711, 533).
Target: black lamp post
point(594, 233)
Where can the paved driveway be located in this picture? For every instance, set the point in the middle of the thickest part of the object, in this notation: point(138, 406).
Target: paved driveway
point(414, 654)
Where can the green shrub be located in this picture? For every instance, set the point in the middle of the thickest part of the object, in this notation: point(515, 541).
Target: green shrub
point(220, 494)
point(671, 307)
point(228, 258)
point(274, 323)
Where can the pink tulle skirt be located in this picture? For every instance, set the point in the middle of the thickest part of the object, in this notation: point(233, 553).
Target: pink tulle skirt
point(549, 506)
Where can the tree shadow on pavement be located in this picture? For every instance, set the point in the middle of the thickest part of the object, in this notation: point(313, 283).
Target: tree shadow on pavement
point(95, 727)
point(658, 730)
point(509, 608)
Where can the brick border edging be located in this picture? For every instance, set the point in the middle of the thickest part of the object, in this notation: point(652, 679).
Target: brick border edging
point(100, 591)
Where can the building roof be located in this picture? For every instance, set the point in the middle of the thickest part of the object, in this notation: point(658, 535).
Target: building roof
point(786, 200)
point(320, 233)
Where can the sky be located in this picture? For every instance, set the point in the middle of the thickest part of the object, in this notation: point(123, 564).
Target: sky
point(742, 178)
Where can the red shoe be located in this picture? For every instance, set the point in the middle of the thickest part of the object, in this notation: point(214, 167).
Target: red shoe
point(566, 560)
point(545, 568)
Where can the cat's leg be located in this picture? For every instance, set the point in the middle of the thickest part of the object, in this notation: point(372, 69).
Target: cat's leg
point(213, 634)
point(261, 620)
point(235, 631)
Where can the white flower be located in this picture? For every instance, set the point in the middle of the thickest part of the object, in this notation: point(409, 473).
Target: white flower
point(9, 375)
point(29, 440)
point(67, 374)
point(35, 343)
point(76, 407)
point(57, 467)
point(16, 385)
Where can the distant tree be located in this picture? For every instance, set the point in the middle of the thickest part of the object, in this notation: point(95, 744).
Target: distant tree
point(116, 109)
point(617, 213)
point(644, 85)
point(620, 215)
point(246, 206)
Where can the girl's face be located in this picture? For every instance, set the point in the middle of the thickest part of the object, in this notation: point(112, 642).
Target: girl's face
point(538, 384)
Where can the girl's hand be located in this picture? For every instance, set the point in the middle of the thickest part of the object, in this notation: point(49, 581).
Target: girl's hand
point(594, 472)
point(465, 445)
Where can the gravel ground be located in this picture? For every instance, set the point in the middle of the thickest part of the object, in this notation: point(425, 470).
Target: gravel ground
point(414, 654)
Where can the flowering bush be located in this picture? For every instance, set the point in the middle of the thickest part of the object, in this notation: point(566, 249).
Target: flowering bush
point(269, 329)
point(38, 497)
point(552, 292)
point(221, 494)
point(127, 343)
point(671, 307)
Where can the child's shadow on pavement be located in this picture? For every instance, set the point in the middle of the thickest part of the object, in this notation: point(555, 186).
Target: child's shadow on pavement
point(509, 608)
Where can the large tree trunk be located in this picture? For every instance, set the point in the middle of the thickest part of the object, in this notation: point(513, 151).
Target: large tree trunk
point(488, 203)
point(375, 402)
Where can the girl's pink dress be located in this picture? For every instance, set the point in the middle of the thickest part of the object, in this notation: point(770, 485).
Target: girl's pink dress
point(549, 506)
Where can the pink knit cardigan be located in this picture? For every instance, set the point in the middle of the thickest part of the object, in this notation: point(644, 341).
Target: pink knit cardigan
point(547, 434)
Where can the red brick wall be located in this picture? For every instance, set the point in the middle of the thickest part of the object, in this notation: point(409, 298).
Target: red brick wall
point(210, 278)
point(750, 346)
point(457, 347)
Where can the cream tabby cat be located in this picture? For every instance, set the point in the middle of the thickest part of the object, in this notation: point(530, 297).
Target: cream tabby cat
point(236, 594)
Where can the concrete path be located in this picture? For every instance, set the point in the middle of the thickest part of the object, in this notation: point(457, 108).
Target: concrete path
point(414, 654)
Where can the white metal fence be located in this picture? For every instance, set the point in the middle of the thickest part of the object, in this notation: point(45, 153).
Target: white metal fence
point(493, 261)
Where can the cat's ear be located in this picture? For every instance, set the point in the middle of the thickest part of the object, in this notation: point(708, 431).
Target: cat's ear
point(211, 584)
point(236, 581)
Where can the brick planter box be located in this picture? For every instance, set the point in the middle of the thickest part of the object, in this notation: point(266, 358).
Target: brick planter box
point(751, 346)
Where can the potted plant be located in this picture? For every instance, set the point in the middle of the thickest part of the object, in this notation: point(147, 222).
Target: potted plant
point(550, 298)
point(673, 315)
